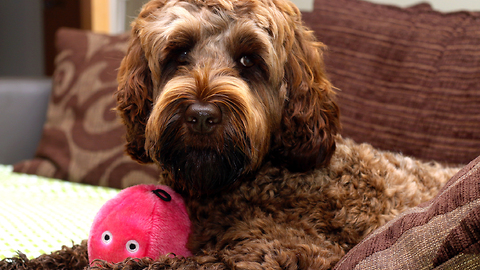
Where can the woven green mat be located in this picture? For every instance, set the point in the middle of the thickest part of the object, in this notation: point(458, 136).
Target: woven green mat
point(39, 215)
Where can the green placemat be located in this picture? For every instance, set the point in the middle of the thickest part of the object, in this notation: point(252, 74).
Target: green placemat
point(39, 215)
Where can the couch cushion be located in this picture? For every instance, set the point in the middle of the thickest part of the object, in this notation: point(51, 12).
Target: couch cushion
point(409, 79)
point(82, 138)
point(443, 233)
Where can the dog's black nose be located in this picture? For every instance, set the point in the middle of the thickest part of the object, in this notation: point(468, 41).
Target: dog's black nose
point(203, 117)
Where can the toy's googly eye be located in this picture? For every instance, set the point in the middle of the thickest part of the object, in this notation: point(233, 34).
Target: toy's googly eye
point(132, 246)
point(106, 237)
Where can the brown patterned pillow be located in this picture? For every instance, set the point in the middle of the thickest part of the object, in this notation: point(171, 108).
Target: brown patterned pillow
point(409, 79)
point(82, 138)
point(441, 234)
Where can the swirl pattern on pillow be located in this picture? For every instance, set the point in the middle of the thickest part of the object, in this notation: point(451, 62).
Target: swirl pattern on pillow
point(83, 140)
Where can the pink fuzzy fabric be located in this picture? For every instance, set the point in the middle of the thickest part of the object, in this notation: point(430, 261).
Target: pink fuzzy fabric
point(136, 213)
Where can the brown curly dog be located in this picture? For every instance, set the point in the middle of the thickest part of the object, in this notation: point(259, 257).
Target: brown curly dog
point(231, 100)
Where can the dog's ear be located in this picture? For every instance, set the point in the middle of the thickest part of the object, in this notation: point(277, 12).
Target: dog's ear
point(310, 118)
point(134, 98)
point(135, 87)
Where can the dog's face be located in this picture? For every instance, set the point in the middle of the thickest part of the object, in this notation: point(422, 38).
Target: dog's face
point(211, 89)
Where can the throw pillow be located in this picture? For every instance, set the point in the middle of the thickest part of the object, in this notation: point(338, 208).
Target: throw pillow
point(408, 78)
point(83, 139)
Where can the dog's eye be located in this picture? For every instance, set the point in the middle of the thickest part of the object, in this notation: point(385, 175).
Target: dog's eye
point(182, 57)
point(246, 61)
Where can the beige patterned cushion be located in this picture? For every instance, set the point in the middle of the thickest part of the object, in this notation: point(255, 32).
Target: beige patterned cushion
point(82, 138)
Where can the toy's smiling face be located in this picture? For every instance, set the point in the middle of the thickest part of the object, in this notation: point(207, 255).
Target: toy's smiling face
point(114, 243)
point(121, 234)
point(132, 246)
point(141, 221)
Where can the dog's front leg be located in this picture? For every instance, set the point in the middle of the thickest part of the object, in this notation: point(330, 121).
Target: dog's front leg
point(268, 243)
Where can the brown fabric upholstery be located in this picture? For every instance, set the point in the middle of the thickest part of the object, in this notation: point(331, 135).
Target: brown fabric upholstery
point(82, 139)
point(409, 79)
point(441, 234)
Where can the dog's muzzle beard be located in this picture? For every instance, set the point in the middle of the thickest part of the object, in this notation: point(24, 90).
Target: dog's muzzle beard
point(198, 170)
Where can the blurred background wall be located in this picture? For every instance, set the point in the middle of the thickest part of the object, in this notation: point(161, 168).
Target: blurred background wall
point(27, 27)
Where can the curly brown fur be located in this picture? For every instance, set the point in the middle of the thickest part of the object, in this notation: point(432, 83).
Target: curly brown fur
point(75, 258)
point(230, 99)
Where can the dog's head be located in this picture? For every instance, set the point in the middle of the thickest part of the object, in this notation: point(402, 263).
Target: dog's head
point(211, 89)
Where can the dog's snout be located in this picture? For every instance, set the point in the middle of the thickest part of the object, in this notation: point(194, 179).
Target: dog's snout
point(203, 117)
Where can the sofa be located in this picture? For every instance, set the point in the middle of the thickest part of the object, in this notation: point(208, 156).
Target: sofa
point(21, 127)
point(408, 81)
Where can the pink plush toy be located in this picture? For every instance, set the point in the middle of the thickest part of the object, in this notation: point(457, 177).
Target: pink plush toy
point(140, 221)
